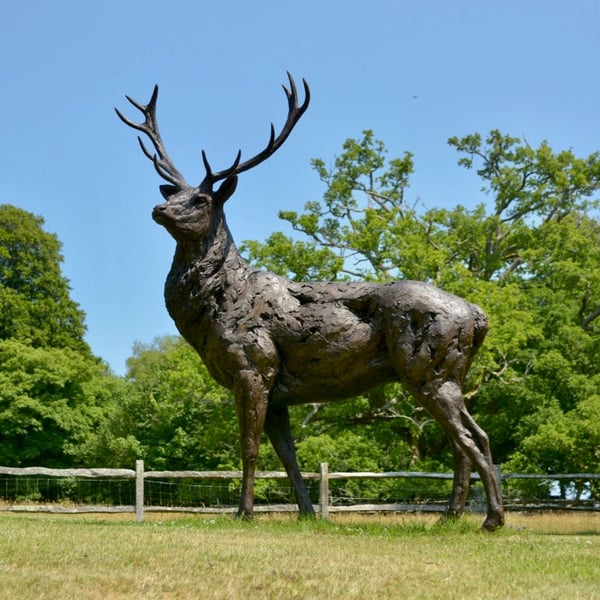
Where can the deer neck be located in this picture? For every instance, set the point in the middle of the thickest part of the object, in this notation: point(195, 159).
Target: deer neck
point(200, 273)
point(209, 257)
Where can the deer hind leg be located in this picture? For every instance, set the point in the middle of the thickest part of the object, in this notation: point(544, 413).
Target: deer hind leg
point(251, 399)
point(277, 427)
point(446, 404)
point(461, 482)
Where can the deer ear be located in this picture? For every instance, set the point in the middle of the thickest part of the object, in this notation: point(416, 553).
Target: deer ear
point(226, 189)
point(167, 191)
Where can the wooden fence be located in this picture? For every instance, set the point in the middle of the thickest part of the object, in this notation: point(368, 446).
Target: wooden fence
point(324, 477)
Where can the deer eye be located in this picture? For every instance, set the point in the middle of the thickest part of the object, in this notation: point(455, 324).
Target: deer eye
point(199, 201)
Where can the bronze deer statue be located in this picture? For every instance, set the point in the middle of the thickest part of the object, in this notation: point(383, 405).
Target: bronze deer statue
point(276, 343)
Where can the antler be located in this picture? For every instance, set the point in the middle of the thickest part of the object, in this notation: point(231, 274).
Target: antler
point(294, 114)
point(167, 170)
point(160, 159)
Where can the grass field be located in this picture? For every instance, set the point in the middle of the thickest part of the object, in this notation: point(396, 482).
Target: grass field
point(547, 556)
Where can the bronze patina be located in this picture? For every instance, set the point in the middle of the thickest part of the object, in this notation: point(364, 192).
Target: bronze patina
point(276, 343)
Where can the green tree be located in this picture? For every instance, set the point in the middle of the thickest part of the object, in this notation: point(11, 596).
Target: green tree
point(35, 305)
point(54, 393)
point(52, 400)
point(302, 261)
point(349, 231)
point(174, 415)
point(528, 254)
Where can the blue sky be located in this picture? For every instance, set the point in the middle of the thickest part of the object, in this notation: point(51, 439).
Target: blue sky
point(416, 72)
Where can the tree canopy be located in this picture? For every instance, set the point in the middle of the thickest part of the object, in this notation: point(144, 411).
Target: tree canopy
point(51, 401)
point(174, 415)
point(527, 253)
point(53, 392)
point(36, 307)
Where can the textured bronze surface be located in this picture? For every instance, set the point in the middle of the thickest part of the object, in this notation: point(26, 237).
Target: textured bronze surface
point(275, 343)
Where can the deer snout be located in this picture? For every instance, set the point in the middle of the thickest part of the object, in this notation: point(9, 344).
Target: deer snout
point(159, 212)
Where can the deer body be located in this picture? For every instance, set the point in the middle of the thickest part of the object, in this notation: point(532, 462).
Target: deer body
point(328, 341)
point(276, 343)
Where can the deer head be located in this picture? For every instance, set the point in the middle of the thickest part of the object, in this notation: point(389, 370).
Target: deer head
point(189, 212)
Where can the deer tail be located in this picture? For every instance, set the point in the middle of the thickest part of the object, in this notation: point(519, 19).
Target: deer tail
point(481, 327)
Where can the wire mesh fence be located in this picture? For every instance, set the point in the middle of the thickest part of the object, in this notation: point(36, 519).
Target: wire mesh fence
point(26, 489)
point(112, 489)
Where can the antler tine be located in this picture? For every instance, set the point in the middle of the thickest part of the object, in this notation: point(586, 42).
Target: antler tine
point(145, 150)
point(274, 143)
point(209, 174)
point(160, 159)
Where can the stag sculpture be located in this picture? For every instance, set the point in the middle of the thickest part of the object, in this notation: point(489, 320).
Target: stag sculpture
point(276, 343)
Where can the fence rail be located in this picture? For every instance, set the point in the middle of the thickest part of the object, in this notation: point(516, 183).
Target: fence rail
point(323, 477)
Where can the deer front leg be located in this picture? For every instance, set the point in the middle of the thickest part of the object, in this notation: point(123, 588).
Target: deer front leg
point(277, 427)
point(251, 400)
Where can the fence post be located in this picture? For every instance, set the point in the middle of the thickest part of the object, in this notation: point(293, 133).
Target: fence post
point(139, 490)
point(324, 490)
